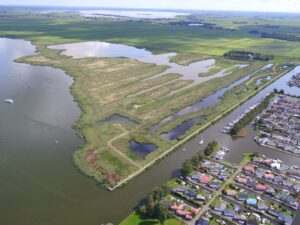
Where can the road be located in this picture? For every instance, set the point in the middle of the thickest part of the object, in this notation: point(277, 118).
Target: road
point(216, 194)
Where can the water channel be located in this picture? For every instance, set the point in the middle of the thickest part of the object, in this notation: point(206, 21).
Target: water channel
point(38, 181)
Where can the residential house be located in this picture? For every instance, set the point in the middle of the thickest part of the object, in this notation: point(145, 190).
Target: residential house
point(261, 187)
point(220, 207)
point(251, 201)
point(231, 193)
point(284, 217)
point(229, 213)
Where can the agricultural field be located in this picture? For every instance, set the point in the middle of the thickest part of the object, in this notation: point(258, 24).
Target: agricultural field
point(107, 86)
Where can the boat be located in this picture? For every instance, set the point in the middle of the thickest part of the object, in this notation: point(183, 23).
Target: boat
point(201, 141)
point(8, 100)
point(184, 149)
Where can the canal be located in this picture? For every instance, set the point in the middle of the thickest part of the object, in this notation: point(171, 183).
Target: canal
point(38, 181)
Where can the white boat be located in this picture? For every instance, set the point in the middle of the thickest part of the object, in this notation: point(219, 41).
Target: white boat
point(201, 141)
point(8, 100)
point(184, 149)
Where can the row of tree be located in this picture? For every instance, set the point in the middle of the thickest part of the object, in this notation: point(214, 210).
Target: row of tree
point(189, 165)
point(286, 37)
point(152, 206)
point(251, 115)
point(246, 55)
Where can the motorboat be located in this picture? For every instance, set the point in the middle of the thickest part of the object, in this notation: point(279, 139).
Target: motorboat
point(8, 100)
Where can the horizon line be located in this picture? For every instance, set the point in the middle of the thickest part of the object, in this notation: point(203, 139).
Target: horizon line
point(173, 9)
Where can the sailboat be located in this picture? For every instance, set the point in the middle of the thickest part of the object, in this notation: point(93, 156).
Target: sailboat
point(201, 141)
point(8, 100)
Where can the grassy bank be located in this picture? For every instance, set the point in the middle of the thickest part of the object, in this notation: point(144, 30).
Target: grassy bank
point(104, 86)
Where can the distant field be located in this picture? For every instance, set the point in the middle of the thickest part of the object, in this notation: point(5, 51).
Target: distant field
point(60, 28)
point(104, 86)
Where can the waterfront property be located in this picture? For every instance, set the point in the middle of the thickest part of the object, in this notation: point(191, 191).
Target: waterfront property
point(295, 81)
point(279, 125)
point(247, 193)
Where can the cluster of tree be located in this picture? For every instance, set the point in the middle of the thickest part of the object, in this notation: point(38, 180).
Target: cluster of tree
point(286, 37)
point(251, 115)
point(210, 148)
point(281, 91)
point(253, 32)
point(187, 23)
point(152, 206)
point(240, 22)
point(246, 55)
point(188, 166)
point(271, 26)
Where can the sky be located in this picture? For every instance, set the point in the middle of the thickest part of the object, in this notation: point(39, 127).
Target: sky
point(238, 5)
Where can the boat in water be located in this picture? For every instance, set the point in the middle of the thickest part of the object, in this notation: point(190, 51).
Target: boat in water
point(201, 141)
point(8, 100)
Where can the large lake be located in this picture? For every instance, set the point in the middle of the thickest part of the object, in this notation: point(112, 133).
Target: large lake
point(131, 14)
point(39, 184)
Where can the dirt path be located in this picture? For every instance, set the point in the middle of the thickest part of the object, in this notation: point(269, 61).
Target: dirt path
point(110, 145)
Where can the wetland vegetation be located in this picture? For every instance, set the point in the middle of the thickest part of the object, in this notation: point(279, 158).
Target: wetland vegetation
point(106, 87)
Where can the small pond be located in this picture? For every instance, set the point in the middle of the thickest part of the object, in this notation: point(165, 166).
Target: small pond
point(118, 118)
point(182, 128)
point(142, 149)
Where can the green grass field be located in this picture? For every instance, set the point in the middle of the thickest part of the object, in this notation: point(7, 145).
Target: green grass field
point(62, 28)
point(136, 219)
point(104, 86)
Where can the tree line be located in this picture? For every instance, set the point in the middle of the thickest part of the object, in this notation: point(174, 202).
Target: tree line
point(246, 55)
point(251, 115)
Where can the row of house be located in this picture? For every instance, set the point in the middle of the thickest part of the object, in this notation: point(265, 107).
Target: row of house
point(282, 179)
point(279, 124)
point(237, 213)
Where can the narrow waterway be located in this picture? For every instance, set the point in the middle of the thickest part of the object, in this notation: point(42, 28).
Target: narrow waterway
point(39, 184)
point(206, 102)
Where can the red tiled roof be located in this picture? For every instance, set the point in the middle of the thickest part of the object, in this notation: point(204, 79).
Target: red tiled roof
point(204, 179)
point(249, 168)
point(231, 192)
point(261, 187)
point(269, 175)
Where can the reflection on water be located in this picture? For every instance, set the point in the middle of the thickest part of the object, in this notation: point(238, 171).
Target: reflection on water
point(118, 118)
point(103, 49)
point(142, 149)
point(131, 14)
point(182, 128)
point(206, 102)
point(261, 80)
point(37, 178)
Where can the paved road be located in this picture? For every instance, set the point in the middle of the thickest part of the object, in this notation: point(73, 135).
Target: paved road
point(218, 193)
